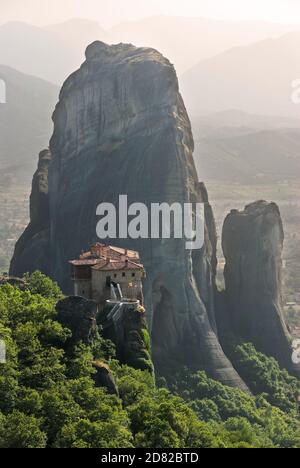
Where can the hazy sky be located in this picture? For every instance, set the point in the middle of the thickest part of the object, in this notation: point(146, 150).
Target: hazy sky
point(110, 12)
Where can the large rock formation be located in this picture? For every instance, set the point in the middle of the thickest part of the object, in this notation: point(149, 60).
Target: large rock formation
point(80, 316)
point(121, 127)
point(252, 245)
point(32, 249)
point(125, 325)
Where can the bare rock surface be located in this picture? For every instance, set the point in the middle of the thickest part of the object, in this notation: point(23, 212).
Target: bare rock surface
point(121, 127)
point(80, 316)
point(252, 245)
point(32, 249)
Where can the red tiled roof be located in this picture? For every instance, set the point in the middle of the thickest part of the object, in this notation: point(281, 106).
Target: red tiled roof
point(87, 262)
point(111, 265)
point(128, 253)
point(107, 257)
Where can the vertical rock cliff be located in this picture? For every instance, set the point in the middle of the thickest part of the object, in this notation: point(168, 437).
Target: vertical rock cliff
point(32, 249)
point(252, 245)
point(121, 127)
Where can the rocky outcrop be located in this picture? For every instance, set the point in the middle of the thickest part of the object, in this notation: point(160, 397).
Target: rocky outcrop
point(80, 316)
point(13, 281)
point(121, 127)
point(103, 377)
point(252, 245)
point(126, 326)
point(32, 249)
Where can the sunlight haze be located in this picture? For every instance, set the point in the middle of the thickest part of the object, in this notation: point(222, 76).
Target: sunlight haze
point(111, 12)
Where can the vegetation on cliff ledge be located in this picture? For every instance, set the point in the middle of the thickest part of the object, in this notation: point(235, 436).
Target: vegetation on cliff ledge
point(49, 396)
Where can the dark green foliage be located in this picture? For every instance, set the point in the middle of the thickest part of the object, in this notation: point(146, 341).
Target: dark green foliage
point(146, 338)
point(264, 375)
point(41, 284)
point(20, 431)
point(133, 343)
point(157, 418)
point(213, 401)
point(48, 397)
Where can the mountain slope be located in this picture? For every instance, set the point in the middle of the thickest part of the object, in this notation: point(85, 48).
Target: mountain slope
point(78, 32)
point(256, 79)
point(251, 156)
point(25, 120)
point(234, 118)
point(53, 52)
point(36, 51)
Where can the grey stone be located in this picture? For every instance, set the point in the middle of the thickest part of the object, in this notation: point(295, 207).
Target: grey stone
point(121, 127)
point(80, 316)
point(252, 245)
point(104, 378)
point(32, 249)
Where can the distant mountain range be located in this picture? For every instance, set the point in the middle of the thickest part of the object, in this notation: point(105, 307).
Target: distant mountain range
point(25, 121)
point(233, 146)
point(186, 41)
point(248, 144)
point(256, 78)
point(53, 52)
point(242, 121)
point(37, 52)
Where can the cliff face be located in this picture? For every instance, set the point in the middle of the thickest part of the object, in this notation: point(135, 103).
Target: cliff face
point(126, 326)
point(121, 127)
point(32, 249)
point(252, 245)
point(80, 316)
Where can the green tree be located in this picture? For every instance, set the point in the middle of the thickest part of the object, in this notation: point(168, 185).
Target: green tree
point(18, 430)
point(38, 283)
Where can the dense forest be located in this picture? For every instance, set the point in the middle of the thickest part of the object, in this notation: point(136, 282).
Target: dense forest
point(49, 396)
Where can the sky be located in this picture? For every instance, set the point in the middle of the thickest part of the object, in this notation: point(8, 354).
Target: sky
point(111, 12)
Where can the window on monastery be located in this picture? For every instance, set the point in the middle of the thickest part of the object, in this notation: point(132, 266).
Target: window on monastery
point(123, 274)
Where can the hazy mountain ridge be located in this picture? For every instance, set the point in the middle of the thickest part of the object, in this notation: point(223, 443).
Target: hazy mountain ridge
point(203, 38)
point(244, 148)
point(77, 32)
point(25, 120)
point(234, 118)
point(59, 47)
point(256, 78)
